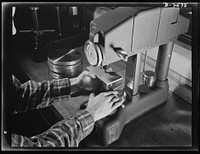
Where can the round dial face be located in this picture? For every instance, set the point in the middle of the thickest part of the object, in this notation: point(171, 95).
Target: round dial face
point(91, 54)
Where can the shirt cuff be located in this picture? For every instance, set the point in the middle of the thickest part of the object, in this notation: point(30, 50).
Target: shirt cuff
point(86, 120)
point(63, 85)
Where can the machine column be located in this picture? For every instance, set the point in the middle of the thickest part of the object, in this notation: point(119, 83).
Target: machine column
point(163, 61)
point(132, 75)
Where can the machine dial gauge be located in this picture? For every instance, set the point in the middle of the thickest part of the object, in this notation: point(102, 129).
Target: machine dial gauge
point(93, 53)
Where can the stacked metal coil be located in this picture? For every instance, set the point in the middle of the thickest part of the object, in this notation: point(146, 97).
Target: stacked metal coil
point(64, 63)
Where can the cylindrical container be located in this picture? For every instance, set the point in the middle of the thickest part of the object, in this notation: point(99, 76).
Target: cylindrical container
point(55, 75)
point(149, 78)
point(63, 64)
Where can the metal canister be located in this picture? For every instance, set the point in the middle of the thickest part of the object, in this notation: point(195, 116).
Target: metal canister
point(68, 65)
point(149, 78)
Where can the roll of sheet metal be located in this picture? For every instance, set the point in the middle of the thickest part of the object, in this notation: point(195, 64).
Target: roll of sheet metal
point(64, 63)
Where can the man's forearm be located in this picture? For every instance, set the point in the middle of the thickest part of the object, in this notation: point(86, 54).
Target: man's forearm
point(31, 94)
point(66, 133)
point(74, 86)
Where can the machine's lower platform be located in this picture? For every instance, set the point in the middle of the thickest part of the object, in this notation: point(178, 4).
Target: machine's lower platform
point(109, 129)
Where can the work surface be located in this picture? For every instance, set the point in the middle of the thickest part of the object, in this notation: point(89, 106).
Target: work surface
point(166, 126)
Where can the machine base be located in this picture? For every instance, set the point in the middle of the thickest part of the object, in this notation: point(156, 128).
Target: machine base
point(109, 129)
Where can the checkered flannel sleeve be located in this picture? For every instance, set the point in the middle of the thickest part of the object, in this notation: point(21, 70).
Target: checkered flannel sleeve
point(66, 133)
point(31, 94)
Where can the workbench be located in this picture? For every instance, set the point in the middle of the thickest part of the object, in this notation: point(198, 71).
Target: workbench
point(168, 126)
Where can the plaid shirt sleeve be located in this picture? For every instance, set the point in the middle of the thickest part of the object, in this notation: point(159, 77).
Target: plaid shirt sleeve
point(66, 133)
point(31, 95)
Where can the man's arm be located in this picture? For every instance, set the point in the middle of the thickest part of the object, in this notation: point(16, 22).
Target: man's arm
point(32, 94)
point(66, 133)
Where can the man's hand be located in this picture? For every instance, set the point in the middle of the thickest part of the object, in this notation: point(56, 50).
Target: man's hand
point(81, 77)
point(103, 104)
point(85, 80)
